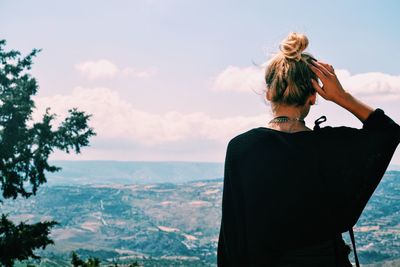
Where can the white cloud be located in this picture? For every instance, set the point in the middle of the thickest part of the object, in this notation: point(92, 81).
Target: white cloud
point(97, 69)
point(375, 85)
point(372, 85)
point(137, 73)
point(106, 69)
point(240, 79)
point(116, 119)
point(127, 133)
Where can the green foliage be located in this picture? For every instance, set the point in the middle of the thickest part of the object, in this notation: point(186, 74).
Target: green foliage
point(25, 147)
point(14, 243)
point(24, 150)
point(77, 262)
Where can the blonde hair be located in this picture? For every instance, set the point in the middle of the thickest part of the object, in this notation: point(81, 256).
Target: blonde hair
point(288, 76)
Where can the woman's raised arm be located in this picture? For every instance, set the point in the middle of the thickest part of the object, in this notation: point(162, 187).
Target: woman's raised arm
point(333, 91)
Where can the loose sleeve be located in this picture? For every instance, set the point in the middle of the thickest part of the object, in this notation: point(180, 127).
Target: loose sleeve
point(231, 237)
point(353, 162)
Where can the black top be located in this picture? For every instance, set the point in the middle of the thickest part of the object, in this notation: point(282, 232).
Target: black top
point(287, 197)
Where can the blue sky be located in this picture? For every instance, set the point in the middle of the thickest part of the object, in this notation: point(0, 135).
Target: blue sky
point(173, 80)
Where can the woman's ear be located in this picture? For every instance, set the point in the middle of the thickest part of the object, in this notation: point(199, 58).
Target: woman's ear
point(268, 95)
point(313, 98)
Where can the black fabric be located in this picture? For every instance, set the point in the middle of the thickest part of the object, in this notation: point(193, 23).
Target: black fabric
point(353, 242)
point(287, 197)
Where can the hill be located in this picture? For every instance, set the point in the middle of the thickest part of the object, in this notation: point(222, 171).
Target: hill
point(176, 223)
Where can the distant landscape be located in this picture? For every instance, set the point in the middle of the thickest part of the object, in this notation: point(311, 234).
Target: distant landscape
point(133, 172)
point(168, 212)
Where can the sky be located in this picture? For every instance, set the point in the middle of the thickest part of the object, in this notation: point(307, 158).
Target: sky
point(175, 80)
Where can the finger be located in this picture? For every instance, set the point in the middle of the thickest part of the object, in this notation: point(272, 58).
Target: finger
point(318, 72)
point(327, 66)
point(318, 88)
point(322, 68)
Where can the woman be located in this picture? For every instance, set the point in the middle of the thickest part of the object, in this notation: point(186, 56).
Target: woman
point(290, 192)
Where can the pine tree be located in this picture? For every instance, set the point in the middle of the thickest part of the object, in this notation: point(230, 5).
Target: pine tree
point(25, 147)
point(77, 262)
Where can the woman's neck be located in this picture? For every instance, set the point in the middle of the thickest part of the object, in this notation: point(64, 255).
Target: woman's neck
point(289, 111)
point(289, 127)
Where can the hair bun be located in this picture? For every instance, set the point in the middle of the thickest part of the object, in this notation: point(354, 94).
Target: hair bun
point(293, 45)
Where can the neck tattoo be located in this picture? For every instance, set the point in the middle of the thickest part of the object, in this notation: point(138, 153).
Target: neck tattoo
point(285, 119)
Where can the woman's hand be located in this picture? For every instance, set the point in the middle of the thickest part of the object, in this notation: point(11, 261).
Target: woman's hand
point(331, 90)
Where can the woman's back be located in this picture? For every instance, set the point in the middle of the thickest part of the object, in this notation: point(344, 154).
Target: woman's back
point(280, 189)
point(289, 196)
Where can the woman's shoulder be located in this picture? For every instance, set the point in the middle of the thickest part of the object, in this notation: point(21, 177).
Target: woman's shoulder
point(327, 129)
point(245, 135)
point(246, 139)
